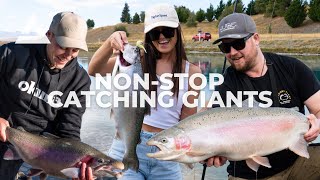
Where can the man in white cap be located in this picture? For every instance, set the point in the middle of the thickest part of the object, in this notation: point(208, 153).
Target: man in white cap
point(30, 72)
point(291, 83)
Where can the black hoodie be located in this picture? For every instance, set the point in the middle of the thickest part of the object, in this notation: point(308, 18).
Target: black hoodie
point(25, 83)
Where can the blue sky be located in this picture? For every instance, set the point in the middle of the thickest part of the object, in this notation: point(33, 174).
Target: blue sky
point(35, 15)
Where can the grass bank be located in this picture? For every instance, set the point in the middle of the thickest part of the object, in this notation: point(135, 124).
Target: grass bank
point(283, 39)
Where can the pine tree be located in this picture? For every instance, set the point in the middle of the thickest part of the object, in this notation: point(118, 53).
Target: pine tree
point(296, 14)
point(125, 16)
point(200, 15)
point(260, 6)
point(210, 13)
point(136, 19)
point(229, 9)
point(191, 21)
point(219, 10)
point(250, 9)
point(183, 13)
point(277, 8)
point(90, 23)
point(314, 11)
point(142, 16)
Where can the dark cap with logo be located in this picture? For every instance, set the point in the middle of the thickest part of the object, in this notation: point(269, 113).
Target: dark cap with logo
point(235, 26)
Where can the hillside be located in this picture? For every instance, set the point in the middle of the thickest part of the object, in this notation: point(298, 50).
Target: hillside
point(283, 38)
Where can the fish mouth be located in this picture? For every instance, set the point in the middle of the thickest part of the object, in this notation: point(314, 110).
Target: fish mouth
point(123, 62)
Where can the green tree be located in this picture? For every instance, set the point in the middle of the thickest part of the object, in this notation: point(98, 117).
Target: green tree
point(260, 6)
point(200, 15)
point(142, 16)
point(229, 10)
point(121, 28)
point(210, 13)
point(90, 23)
point(250, 9)
point(277, 8)
point(191, 21)
point(219, 10)
point(125, 16)
point(136, 19)
point(183, 13)
point(229, 3)
point(314, 11)
point(296, 14)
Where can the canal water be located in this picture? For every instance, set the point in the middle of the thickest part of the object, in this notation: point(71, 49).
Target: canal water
point(98, 130)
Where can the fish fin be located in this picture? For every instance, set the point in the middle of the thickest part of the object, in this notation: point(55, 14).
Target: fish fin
point(21, 128)
point(252, 165)
point(193, 154)
point(34, 172)
point(49, 135)
point(264, 161)
point(71, 172)
point(300, 147)
point(189, 165)
point(11, 154)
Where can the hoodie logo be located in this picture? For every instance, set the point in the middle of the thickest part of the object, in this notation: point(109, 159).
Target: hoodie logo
point(228, 26)
point(30, 88)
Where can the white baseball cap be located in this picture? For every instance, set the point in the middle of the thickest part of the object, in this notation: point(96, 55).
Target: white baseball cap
point(160, 15)
point(70, 30)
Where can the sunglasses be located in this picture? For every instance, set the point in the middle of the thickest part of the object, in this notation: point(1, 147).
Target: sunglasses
point(237, 44)
point(166, 31)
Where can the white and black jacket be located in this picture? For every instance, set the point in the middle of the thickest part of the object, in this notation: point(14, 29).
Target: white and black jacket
point(25, 83)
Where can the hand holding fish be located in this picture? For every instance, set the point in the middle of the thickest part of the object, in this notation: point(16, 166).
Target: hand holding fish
point(314, 130)
point(216, 161)
point(117, 40)
point(3, 125)
point(85, 173)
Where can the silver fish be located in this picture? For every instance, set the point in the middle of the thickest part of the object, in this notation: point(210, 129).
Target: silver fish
point(57, 156)
point(129, 119)
point(235, 133)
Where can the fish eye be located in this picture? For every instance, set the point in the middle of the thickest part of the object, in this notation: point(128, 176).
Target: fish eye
point(164, 140)
point(100, 161)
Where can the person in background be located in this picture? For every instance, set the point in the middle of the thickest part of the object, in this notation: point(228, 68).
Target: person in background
point(165, 53)
point(292, 84)
point(30, 72)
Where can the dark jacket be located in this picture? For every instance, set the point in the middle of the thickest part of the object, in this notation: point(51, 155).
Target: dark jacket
point(25, 83)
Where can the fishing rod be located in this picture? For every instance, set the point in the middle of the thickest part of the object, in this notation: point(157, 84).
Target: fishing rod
point(223, 69)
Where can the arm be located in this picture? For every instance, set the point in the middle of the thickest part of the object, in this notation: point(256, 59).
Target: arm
point(313, 106)
point(187, 111)
point(101, 61)
point(4, 53)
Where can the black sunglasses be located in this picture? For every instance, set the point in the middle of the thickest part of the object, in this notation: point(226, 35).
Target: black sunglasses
point(237, 44)
point(168, 32)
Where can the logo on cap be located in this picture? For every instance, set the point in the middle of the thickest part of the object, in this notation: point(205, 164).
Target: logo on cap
point(228, 26)
point(159, 15)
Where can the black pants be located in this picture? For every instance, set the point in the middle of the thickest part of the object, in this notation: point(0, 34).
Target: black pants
point(8, 168)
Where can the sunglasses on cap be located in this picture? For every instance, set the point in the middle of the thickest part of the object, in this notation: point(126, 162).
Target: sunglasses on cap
point(237, 44)
point(167, 32)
